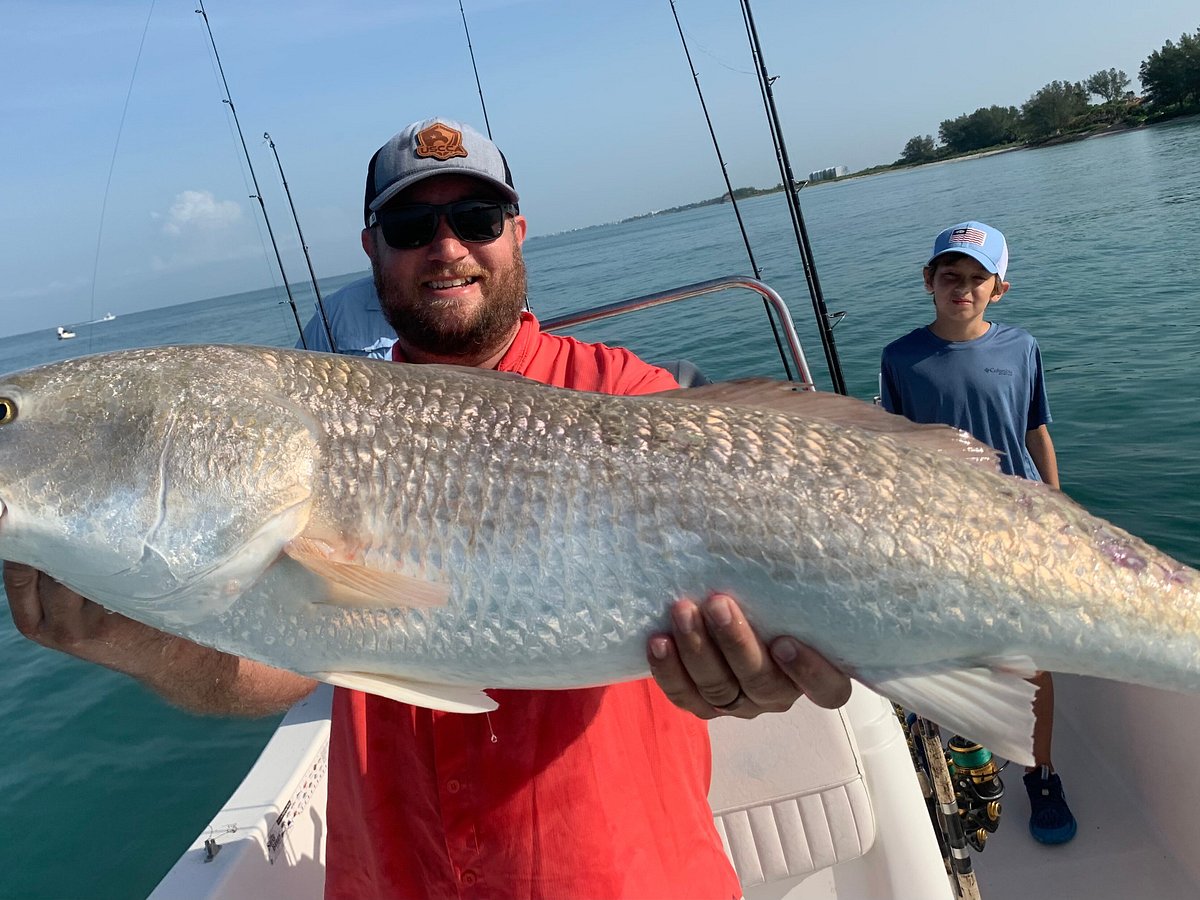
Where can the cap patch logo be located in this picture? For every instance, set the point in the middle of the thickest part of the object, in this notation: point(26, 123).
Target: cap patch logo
point(967, 236)
point(440, 142)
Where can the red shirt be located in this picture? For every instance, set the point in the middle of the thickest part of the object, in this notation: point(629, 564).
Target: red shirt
point(588, 793)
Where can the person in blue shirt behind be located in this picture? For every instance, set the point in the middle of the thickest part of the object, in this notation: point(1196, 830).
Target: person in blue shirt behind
point(356, 320)
point(987, 379)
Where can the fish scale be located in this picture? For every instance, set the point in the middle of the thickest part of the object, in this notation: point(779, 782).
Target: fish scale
point(426, 531)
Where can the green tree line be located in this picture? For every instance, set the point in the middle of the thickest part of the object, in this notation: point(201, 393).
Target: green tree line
point(1170, 79)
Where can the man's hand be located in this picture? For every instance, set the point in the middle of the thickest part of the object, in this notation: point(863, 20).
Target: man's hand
point(197, 678)
point(54, 616)
point(713, 664)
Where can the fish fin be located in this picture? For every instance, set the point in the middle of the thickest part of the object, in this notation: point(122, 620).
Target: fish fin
point(446, 697)
point(353, 585)
point(789, 399)
point(1011, 665)
point(992, 705)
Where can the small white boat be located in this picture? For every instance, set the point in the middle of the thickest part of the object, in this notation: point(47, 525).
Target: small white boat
point(63, 333)
point(812, 803)
point(107, 317)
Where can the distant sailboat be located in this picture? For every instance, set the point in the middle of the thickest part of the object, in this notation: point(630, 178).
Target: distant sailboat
point(63, 334)
point(107, 317)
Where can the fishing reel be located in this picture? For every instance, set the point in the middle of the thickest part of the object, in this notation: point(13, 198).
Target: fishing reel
point(977, 788)
point(963, 777)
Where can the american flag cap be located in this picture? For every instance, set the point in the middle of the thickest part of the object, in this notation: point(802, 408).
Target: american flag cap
point(977, 240)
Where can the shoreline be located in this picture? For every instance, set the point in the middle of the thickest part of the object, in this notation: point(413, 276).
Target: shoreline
point(1106, 131)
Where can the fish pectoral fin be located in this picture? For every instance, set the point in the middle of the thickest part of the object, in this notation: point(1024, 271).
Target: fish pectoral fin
point(356, 586)
point(446, 697)
point(991, 704)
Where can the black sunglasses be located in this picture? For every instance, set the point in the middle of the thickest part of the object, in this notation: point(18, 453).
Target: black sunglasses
point(414, 225)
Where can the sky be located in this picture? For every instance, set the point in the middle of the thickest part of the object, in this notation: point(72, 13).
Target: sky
point(123, 184)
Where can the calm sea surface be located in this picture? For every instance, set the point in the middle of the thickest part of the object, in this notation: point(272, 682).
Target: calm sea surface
point(102, 785)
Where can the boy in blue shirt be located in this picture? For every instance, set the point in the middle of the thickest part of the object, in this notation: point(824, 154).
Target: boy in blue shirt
point(987, 379)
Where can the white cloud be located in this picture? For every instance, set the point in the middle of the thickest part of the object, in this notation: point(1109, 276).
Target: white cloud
point(195, 211)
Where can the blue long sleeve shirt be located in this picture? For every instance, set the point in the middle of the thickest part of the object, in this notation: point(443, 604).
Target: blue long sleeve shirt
point(356, 320)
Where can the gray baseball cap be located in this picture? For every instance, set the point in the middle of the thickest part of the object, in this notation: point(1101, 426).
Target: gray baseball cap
point(434, 147)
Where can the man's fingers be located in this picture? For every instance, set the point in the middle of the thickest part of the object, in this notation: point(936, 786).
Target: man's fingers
point(18, 576)
point(47, 612)
point(21, 587)
point(701, 653)
point(819, 679)
point(673, 678)
point(752, 670)
point(667, 669)
point(739, 644)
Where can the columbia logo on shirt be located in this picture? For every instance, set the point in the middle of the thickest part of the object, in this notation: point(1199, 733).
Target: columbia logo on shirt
point(993, 371)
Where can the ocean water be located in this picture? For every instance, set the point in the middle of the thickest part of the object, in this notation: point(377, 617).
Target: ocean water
point(103, 785)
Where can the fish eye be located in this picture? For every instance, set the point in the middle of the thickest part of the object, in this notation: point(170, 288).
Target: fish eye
point(8, 410)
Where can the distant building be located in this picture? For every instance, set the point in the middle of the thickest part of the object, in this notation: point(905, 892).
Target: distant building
point(828, 174)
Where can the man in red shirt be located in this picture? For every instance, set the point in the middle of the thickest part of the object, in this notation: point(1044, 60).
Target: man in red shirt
point(576, 793)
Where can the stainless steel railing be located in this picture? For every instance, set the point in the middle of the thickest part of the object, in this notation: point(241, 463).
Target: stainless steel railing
point(686, 292)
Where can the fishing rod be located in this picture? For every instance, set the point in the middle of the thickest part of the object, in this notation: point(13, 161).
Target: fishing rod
point(478, 84)
point(792, 192)
point(948, 812)
point(729, 189)
point(257, 195)
point(112, 165)
point(483, 105)
point(304, 245)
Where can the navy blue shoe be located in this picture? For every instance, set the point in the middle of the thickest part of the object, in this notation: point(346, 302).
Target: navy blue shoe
point(1050, 819)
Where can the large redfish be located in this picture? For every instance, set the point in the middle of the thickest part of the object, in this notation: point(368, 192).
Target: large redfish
point(425, 532)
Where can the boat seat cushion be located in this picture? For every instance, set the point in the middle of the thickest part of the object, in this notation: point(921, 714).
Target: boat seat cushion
point(788, 793)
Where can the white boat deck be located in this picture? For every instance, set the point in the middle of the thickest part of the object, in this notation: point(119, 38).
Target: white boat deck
point(1124, 752)
point(1118, 853)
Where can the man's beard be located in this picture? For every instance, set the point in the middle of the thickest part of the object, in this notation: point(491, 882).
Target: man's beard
point(425, 327)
